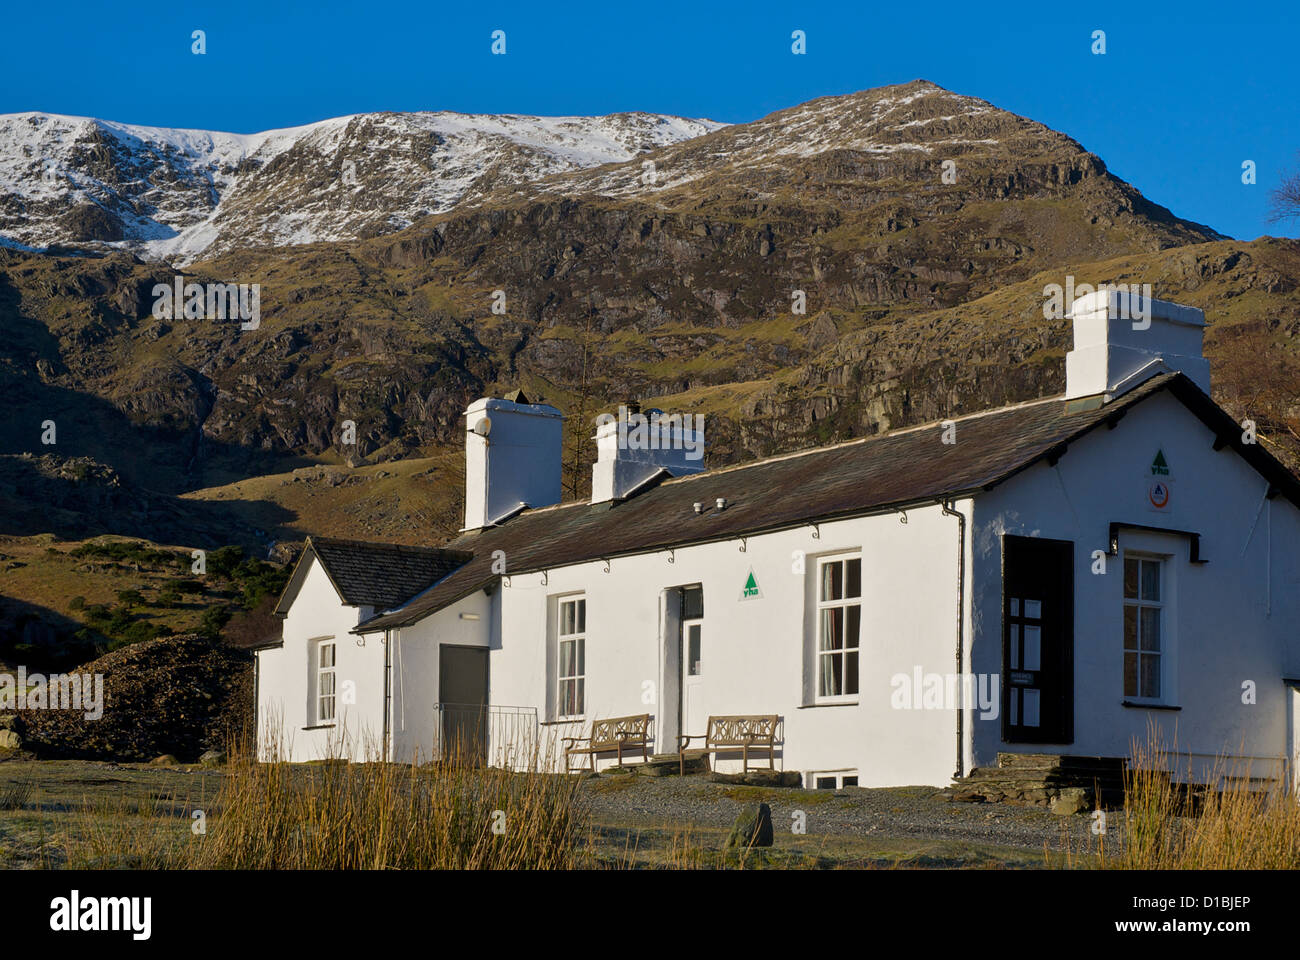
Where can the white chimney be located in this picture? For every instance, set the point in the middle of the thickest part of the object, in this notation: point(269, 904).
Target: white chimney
point(633, 447)
point(1122, 339)
point(512, 458)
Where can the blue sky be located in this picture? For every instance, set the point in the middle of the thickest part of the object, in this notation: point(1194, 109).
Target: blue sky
point(1184, 94)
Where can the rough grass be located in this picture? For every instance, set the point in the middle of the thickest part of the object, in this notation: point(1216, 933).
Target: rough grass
point(344, 815)
point(412, 500)
point(1233, 822)
point(51, 574)
point(340, 816)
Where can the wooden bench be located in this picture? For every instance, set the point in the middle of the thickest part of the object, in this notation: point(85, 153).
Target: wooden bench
point(743, 733)
point(611, 736)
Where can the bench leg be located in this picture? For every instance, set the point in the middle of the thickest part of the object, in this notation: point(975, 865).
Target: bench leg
point(745, 753)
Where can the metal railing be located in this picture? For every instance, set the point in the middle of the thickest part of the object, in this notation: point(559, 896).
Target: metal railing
point(500, 736)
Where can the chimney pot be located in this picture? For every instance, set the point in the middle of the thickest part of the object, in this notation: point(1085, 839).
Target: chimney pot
point(518, 464)
point(631, 447)
point(1122, 339)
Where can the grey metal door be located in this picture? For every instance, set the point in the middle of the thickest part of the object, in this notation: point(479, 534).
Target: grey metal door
point(463, 695)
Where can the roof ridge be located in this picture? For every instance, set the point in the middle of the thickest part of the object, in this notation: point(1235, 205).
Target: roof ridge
point(856, 441)
point(809, 451)
point(380, 545)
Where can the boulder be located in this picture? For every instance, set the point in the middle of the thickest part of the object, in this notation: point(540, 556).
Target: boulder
point(10, 740)
point(1072, 800)
point(753, 827)
point(166, 760)
point(213, 758)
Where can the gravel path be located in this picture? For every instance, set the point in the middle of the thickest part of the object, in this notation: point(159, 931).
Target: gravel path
point(880, 813)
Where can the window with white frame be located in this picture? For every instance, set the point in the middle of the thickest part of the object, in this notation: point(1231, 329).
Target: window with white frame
point(325, 660)
point(572, 657)
point(839, 618)
point(1144, 641)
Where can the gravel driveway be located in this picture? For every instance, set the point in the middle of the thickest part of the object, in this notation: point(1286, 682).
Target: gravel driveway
point(884, 815)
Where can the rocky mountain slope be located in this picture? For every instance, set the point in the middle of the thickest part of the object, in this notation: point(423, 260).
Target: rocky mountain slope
point(923, 298)
point(180, 194)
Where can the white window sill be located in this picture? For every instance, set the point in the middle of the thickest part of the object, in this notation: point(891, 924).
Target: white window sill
point(1148, 705)
point(828, 703)
point(320, 726)
point(560, 720)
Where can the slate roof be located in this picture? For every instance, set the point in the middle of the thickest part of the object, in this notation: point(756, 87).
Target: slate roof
point(873, 474)
point(381, 575)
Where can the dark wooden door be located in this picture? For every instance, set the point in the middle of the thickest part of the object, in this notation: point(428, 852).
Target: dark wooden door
point(463, 699)
point(1037, 640)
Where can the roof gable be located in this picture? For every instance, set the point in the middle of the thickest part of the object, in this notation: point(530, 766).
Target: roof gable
point(380, 575)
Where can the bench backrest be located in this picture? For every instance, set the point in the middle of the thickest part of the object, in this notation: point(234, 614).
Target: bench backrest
point(739, 730)
point(627, 729)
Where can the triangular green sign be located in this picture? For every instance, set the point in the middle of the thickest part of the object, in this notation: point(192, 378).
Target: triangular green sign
point(751, 588)
point(1159, 466)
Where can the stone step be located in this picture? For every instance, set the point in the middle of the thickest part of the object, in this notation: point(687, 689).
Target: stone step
point(1064, 782)
point(1062, 761)
point(1105, 773)
point(1068, 800)
point(1009, 783)
point(998, 774)
point(668, 765)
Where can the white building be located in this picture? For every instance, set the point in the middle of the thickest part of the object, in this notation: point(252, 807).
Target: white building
point(1081, 567)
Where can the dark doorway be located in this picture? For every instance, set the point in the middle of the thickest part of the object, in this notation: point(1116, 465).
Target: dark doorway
point(463, 701)
point(691, 715)
point(1037, 640)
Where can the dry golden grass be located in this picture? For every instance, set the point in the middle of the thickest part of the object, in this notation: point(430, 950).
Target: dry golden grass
point(1236, 821)
point(343, 815)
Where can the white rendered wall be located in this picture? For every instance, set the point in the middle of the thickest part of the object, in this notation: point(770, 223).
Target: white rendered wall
point(284, 677)
point(415, 671)
point(758, 652)
point(1234, 619)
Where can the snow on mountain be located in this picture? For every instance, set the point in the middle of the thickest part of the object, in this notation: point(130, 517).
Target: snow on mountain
point(184, 194)
point(919, 121)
